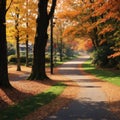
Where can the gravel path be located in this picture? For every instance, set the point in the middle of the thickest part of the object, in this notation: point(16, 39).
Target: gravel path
point(91, 102)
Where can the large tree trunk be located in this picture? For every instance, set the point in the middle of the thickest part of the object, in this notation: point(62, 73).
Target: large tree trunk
point(4, 81)
point(38, 68)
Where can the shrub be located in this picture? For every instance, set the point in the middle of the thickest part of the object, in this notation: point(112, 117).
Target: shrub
point(118, 62)
point(47, 58)
point(13, 59)
point(11, 52)
point(100, 57)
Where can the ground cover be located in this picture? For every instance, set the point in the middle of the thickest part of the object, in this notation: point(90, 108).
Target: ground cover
point(106, 75)
point(30, 104)
point(25, 89)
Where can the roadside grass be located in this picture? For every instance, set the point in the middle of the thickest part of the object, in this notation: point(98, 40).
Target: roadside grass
point(29, 105)
point(105, 75)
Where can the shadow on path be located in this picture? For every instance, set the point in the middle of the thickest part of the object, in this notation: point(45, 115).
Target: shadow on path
point(91, 102)
point(84, 111)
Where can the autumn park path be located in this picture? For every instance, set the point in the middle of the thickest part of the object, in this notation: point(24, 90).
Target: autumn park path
point(91, 102)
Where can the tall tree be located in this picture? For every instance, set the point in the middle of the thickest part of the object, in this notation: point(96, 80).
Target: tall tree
point(21, 25)
point(17, 37)
point(38, 67)
point(4, 81)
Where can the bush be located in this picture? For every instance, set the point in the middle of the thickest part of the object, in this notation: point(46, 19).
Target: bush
point(10, 49)
point(47, 58)
point(69, 52)
point(11, 52)
point(118, 66)
point(13, 59)
point(118, 62)
point(100, 57)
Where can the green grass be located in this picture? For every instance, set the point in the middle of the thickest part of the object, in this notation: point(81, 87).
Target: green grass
point(105, 75)
point(29, 105)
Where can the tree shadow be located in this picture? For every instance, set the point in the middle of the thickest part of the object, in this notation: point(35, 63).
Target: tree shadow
point(49, 82)
point(3, 104)
point(69, 72)
point(22, 75)
point(14, 95)
point(77, 109)
point(68, 65)
point(115, 108)
point(86, 110)
point(15, 77)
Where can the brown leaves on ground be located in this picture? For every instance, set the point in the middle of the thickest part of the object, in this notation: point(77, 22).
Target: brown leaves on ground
point(21, 88)
point(25, 88)
point(69, 94)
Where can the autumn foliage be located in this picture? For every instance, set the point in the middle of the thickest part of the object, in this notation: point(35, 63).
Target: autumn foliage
point(100, 20)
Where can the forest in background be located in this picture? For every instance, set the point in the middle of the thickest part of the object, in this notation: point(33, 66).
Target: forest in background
point(78, 25)
point(86, 25)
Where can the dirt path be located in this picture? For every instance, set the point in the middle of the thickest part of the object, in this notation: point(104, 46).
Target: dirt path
point(91, 102)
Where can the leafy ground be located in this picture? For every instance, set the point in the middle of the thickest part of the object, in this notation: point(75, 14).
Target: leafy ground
point(24, 89)
point(32, 103)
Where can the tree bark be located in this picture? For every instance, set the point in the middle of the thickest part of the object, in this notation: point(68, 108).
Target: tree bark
point(61, 50)
point(38, 67)
point(18, 54)
point(4, 80)
point(17, 40)
point(27, 51)
point(27, 36)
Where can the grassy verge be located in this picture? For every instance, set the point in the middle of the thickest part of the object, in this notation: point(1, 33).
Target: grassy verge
point(29, 105)
point(105, 75)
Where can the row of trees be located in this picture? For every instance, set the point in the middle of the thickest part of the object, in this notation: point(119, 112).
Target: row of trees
point(21, 25)
point(41, 36)
point(100, 20)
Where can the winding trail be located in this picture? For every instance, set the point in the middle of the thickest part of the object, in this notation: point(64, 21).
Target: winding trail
point(91, 102)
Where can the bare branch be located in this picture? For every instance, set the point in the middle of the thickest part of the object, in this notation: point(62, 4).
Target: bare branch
point(52, 8)
point(9, 6)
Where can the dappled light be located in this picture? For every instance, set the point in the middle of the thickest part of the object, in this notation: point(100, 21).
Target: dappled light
point(59, 60)
point(80, 89)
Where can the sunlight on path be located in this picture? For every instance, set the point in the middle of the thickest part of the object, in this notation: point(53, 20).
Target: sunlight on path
point(90, 103)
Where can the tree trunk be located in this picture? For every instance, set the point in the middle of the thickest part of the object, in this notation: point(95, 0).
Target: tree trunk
point(4, 81)
point(27, 36)
point(27, 51)
point(38, 67)
point(61, 50)
point(18, 54)
point(17, 40)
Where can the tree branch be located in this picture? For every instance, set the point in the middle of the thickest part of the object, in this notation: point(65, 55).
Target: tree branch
point(52, 9)
point(9, 6)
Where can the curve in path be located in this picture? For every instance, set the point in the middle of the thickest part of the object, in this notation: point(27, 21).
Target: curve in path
point(90, 103)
